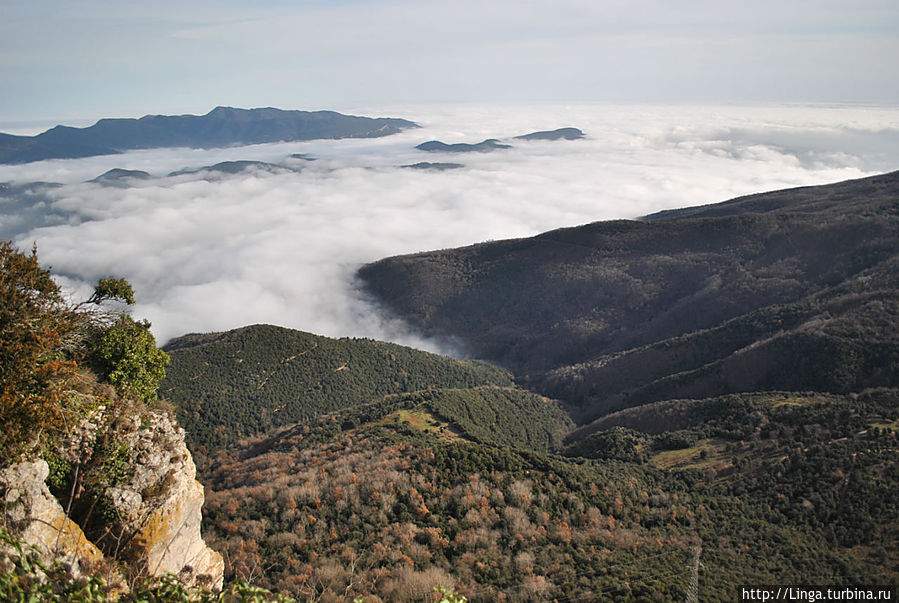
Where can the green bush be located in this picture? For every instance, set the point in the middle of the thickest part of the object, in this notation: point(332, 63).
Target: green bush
point(129, 359)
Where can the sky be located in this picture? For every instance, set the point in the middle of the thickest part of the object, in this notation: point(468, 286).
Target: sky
point(74, 62)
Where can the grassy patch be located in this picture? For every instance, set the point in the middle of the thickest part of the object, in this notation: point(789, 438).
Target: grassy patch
point(881, 424)
point(707, 454)
point(794, 399)
point(420, 419)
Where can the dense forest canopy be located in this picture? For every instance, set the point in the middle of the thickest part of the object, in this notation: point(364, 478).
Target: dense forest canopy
point(384, 503)
point(248, 381)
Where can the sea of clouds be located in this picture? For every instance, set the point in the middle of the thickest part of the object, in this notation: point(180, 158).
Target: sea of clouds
point(215, 252)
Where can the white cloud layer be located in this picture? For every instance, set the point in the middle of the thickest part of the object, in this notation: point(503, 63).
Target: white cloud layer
point(282, 248)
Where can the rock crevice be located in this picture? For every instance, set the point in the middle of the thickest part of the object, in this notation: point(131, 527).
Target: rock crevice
point(153, 511)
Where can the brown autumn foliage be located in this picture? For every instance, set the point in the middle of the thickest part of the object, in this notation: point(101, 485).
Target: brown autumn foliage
point(37, 380)
point(360, 516)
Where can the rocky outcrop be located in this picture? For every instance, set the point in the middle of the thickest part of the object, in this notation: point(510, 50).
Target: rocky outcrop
point(159, 506)
point(152, 504)
point(34, 516)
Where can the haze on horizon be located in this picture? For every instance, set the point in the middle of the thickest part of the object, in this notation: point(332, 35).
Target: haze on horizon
point(73, 63)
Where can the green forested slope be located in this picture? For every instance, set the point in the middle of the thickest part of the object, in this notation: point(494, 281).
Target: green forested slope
point(248, 381)
point(502, 417)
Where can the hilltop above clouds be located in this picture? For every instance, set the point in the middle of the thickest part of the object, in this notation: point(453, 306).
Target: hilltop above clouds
point(221, 127)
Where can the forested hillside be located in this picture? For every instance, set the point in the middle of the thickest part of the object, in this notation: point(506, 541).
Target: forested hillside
point(392, 495)
point(245, 382)
point(729, 374)
point(791, 290)
point(386, 503)
point(504, 417)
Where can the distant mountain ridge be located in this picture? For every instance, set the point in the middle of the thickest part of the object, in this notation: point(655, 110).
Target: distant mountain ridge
point(221, 127)
point(116, 176)
point(789, 290)
point(232, 167)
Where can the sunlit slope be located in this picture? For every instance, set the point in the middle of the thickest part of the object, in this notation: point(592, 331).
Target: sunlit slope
point(496, 416)
point(247, 381)
point(390, 500)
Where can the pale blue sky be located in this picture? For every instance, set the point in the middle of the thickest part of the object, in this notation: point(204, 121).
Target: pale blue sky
point(66, 61)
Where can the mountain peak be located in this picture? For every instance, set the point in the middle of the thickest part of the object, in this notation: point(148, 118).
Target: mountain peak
point(221, 127)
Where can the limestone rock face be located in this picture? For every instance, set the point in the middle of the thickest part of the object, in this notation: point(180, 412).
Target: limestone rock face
point(160, 506)
point(157, 504)
point(37, 518)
